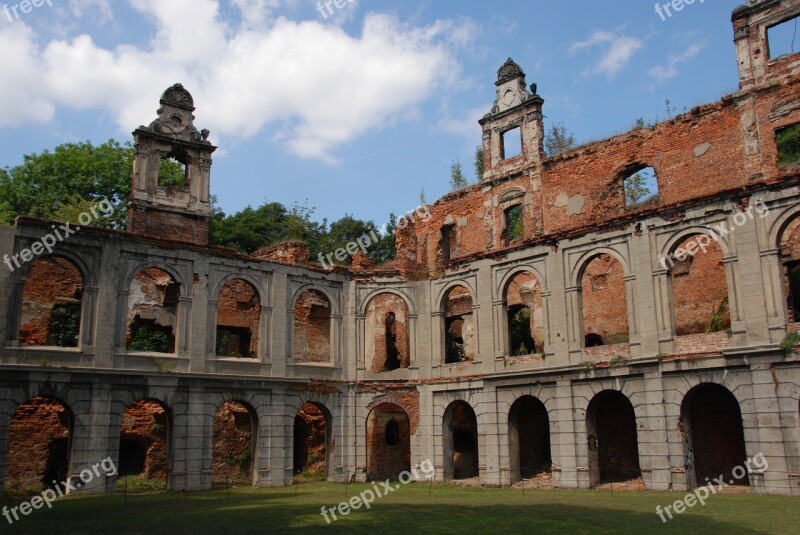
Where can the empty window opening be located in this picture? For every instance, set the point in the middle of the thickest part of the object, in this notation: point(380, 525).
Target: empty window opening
point(152, 312)
point(388, 442)
point(512, 143)
point(312, 327)
point(790, 258)
point(711, 425)
point(699, 287)
point(788, 142)
point(449, 249)
point(459, 326)
point(525, 315)
point(145, 427)
point(238, 320)
point(604, 302)
point(514, 225)
point(529, 440)
point(173, 173)
point(233, 444)
point(386, 326)
point(38, 445)
point(782, 38)
point(311, 442)
point(641, 188)
point(593, 340)
point(612, 440)
point(460, 442)
point(51, 304)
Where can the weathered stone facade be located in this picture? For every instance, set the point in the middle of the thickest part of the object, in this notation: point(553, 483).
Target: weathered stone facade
point(677, 387)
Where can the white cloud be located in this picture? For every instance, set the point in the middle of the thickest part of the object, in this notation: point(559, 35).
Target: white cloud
point(617, 51)
point(99, 9)
point(308, 83)
point(670, 70)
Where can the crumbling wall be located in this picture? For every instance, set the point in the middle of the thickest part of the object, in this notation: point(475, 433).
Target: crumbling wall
point(238, 319)
point(605, 311)
point(153, 304)
point(700, 291)
point(38, 445)
point(790, 258)
point(459, 326)
point(147, 423)
point(524, 298)
point(232, 446)
point(312, 327)
point(386, 337)
point(51, 282)
point(388, 442)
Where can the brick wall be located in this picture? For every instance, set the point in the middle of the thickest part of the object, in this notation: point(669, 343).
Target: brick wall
point(385, 460)
point(309, 441)
point(147, 422)
point(162, 224)
point(526, 290)
point(232, 445)
point(605, 310)
point(377, 348)
point(37, 445)
point(49, 281)
point(312, 328)
point(239, 305)
point(153, 298)
point(699, 289)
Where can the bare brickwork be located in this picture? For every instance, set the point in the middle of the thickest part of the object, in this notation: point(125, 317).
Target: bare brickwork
point(536, 326)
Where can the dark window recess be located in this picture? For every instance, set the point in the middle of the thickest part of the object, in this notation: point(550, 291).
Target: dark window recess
point(788, 141)
point(793, 274)
point(515, 228)
point(512, 143)
point(448, 243)
point(132, 457)
point(454, 340)
point(65, 325)
point(392, 433)
point(234, 342)
point(149, 336)
point(594, 340)
point(392, 353)
point(519, 319)
point(782, 38)
point(641, 187)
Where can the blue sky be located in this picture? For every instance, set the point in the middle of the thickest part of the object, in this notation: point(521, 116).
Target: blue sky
point(358, 111)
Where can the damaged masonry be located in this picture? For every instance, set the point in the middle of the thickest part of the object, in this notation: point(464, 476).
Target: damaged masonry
point(527, 329)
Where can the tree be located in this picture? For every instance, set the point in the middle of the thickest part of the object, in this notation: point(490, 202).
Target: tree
point(636, 189)
point(479, 163)
point(457, 180)
point(52, 184)
point(558, 140)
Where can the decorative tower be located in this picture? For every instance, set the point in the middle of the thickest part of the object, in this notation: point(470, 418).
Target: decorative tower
point(171, 173)
point(515, 121)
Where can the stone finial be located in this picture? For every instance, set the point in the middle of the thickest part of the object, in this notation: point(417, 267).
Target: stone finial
point(509, 71)
point(175, 119)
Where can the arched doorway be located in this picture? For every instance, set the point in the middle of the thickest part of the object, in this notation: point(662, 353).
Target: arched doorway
point(529, 439)
point(145, 445)
point(233, 445)
point(612, 439)
point(388, 442)
point(312, 441)
point(460, 433)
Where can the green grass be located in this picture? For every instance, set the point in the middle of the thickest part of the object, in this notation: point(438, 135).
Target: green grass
point(410, 509)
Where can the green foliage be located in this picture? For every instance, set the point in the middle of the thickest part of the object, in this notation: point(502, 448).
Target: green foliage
point(788, 141)
point(50, 184)
point(172, 174)
point(479, 163)
point(150, 340)
point(241, 460)
point(226, 342)
point(557, 140)
point(65, 324)
point(791, 340)
point(140, 484)
point(636, 189)
point(718, 322)
point(520, 332)
point(457, 180)
point(454, 352)
point(422, 196)
point(515, 229)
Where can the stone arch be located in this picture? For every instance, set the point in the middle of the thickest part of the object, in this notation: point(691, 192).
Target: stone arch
point(459, 328)
point(713, 432)
point(255, 283)
point(529, 439)
point(612, 438)
point(325, 291)
point(362, 310)
point(698, 284)
point(312, 440)
point(39, 446)
point(788, 246)
point(387, 337)
point(523, 313)
point(603, 299)
point(388, 442)
point(586, 258)
point(163, 266)
point(460, 441)
point(145, 444)
point(52, 303)
point(234, 443)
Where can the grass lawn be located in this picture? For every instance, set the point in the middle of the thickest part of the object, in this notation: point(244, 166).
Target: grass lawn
point(413, 508)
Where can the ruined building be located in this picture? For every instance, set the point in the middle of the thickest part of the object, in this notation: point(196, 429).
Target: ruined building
point(541, 324)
